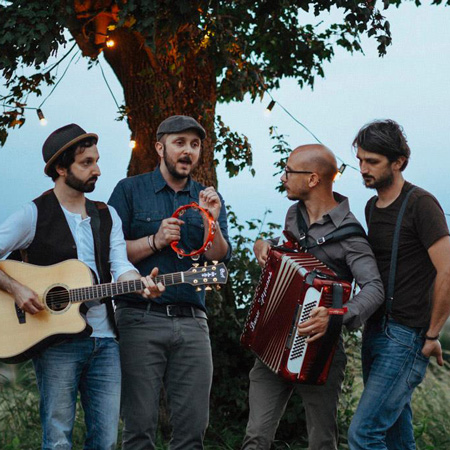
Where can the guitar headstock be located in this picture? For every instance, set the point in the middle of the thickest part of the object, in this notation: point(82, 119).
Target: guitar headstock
point(206, 275)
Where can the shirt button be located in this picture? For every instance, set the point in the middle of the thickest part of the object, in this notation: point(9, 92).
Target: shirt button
point(74, 246)
point(148, 219)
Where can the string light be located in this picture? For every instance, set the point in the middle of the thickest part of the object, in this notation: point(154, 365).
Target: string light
point(270, 105)
point(41, 117)
point(132, 143)
point(340, 172)
point(110, 43)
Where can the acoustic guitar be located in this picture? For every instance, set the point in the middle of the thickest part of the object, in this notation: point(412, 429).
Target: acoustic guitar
point(62, 288)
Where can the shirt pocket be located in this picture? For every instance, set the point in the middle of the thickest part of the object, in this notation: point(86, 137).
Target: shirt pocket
point(145, 223)
point(193, 239)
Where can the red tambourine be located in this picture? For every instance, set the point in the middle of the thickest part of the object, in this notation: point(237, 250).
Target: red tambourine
point(211, 230)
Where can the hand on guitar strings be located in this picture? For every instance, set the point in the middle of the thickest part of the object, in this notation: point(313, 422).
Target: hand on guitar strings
point(316, 326)
point(26, 299)
point(152, 290)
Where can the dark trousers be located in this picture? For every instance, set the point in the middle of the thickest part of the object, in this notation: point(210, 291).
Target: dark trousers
point(175, 351)
point(269, 395)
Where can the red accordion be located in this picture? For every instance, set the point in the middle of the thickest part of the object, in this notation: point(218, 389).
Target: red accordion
point(291, 285)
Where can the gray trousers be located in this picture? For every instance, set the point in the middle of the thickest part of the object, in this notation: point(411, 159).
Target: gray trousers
point(176, 351)
point(269, 395)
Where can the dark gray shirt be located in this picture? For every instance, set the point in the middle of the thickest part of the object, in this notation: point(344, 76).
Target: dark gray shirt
point(351, 258)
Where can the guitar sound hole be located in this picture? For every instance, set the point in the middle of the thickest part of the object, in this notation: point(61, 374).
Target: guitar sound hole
point(57, 298)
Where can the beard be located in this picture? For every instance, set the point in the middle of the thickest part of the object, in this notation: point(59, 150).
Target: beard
point(383, 182)
point(79, 185)
point(172, 165)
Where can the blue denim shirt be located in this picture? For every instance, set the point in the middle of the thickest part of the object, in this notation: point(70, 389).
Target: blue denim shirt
point(142, 202)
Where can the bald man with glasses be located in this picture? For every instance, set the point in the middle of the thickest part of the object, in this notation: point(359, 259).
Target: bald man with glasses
point(308, 179)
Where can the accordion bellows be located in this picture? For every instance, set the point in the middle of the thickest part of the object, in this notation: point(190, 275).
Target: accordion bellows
point(291, 285)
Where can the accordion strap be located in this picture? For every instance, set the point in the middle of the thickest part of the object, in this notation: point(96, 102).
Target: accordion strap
point(340, 233)
point(332, 334)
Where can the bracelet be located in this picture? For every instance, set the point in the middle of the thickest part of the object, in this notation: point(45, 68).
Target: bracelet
point(431, 338)
point(150, 244)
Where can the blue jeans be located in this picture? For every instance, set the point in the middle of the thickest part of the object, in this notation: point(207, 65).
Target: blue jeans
point(88, 365)
point(393, 366)
point(158, 350)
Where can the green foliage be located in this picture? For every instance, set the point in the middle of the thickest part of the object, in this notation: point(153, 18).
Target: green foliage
point(235, 149)
point(251, 45)
point(280, 147)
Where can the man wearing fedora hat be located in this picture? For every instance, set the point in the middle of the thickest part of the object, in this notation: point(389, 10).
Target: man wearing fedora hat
point(166, 342)
point(62, 224)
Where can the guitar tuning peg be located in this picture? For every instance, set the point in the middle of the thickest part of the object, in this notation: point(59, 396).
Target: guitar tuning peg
point(218, 287)
point(195, 265)
point(208, 288)
point(198, 289)
point(206, 264)
point(215, 263)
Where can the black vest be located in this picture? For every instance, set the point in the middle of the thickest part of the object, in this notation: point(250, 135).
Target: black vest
point(53, 241)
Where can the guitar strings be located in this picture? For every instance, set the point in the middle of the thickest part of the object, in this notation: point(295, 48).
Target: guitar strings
point(69, 296)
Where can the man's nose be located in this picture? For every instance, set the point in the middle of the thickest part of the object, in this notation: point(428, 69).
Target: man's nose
point(96, 170)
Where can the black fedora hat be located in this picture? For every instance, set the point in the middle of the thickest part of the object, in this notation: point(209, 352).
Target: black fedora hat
point(60, 140)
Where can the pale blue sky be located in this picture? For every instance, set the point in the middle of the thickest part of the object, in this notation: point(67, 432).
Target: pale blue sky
point(409, 85)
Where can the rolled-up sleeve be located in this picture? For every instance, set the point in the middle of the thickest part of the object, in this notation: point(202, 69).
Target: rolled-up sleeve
point(118, 249)
point(361, 262)
point(223, 224)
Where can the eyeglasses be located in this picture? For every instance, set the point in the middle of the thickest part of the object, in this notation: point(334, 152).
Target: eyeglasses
point(288, 171)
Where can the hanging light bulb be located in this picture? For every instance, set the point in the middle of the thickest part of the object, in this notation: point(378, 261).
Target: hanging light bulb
point(270, 106)
point(110, 42)
point(132, 143)
point(340, 172)
point(41, 117)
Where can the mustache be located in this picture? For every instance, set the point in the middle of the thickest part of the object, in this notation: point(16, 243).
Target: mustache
point(185, 159)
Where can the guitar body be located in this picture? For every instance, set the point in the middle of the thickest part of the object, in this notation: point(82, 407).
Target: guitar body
point(22, 335)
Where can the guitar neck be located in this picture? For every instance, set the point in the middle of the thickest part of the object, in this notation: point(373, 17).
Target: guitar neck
point(99, 291)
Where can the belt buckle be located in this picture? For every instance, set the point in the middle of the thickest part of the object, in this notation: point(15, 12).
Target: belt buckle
point(169, 311)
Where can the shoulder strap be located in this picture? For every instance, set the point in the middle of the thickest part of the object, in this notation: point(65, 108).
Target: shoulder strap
point(340, 233)
point(302, 227)
point(394, 254)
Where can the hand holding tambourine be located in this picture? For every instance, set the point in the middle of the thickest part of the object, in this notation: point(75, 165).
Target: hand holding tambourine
point(169, 232)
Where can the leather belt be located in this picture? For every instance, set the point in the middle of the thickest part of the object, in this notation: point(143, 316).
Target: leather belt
point(168, 310)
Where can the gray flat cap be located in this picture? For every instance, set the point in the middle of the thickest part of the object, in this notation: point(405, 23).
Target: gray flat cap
point(177, 124)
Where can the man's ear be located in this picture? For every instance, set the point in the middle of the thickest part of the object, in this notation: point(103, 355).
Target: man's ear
point(61, 171)
point(314, 180)
point(159, 146)
point(398, 163)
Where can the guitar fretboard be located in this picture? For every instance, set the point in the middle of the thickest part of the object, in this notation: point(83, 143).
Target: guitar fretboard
point(99, 291)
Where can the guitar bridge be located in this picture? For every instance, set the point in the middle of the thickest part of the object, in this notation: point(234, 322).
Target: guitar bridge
point(20, 314)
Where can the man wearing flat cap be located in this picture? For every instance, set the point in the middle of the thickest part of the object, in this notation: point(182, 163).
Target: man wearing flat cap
point(63, 224)
point(166, 341)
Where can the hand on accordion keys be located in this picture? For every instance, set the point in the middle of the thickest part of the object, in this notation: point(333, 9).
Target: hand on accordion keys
point(316, 326)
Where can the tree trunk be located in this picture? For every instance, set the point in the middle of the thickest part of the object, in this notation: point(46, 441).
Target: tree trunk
point(157, 86)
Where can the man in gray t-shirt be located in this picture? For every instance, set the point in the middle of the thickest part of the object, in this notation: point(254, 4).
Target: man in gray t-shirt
point(308, 177)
